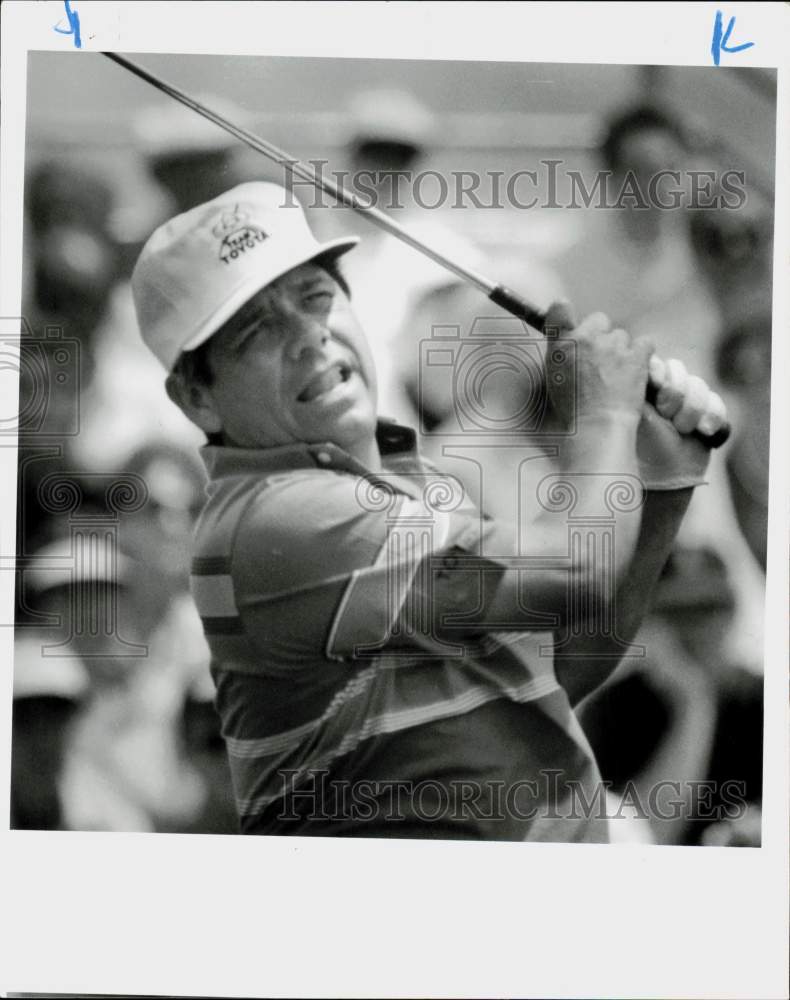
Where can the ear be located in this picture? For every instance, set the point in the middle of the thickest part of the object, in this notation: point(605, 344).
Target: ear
point(195, 400)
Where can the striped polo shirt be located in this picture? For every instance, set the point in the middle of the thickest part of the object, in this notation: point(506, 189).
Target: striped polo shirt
point(353, 699)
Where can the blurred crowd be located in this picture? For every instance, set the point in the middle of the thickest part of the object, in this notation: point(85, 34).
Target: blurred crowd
point(113, 723)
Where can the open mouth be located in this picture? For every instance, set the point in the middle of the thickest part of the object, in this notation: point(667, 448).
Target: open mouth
point(325, 382)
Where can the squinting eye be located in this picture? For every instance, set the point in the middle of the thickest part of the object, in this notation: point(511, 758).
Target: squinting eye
point(320, 300)
point(250, 336)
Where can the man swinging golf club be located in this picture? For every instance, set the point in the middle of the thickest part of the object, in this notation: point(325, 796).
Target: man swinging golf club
point(379, 647)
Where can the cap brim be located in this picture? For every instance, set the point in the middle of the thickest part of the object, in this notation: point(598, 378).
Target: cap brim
point(242, 295)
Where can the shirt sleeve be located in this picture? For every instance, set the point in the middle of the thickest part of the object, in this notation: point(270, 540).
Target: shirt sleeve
point(321, 572)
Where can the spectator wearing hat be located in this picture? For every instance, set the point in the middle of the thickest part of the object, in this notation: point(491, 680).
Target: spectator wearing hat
point(192, 159)
point(122, 766)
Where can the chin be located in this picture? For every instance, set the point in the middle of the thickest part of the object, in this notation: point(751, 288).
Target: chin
point(348, 428)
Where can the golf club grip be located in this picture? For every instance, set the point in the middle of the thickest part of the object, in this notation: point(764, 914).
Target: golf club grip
point(715, 440)
point(517, 306)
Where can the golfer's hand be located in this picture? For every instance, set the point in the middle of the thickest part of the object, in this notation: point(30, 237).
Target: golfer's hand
point(670, 458)
point(686, 399)
point(593, 370)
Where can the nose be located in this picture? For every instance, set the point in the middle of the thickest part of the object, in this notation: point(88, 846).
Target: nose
point(309, 334)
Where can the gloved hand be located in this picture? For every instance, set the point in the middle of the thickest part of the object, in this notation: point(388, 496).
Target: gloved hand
point(670, 458)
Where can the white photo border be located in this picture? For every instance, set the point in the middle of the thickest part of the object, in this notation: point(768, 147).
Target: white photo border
point(190, 915)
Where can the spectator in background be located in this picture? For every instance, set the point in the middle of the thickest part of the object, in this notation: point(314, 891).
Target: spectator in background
point(70, 275)
point(736, 753)
point(735, 251)
point(642, 141)
point(191, 159)
point(390, 134)
point(74, 286)
point(73, 257)
point(642, 267)
point(47, 696)
point(122, 767)
point(744, 365)
point(125, 766)
point(159, 535)
point(685, 712)
point(635, 261)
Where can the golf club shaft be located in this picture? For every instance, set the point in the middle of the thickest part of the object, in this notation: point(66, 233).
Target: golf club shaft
point(342, 194)
point(499, 294)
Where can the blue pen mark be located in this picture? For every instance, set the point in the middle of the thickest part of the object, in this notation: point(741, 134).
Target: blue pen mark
point(719, 43)
point(74, 25)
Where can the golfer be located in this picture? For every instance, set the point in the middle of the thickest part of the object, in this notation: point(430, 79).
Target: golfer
point(387, 660)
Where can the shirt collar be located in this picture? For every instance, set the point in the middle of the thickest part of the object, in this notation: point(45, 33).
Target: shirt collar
point(397, 444)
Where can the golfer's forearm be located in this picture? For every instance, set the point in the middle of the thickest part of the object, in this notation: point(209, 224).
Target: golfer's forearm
point(586, 661)
point(565, 569)
point(604, 442)
point(598, 457)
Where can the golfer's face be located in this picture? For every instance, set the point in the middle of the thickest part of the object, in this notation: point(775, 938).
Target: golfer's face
point(293, 366)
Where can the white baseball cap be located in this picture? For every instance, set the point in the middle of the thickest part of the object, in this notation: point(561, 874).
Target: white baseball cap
point(57, 565)
point(391, 116)
point(40, 676)
point(201, 267)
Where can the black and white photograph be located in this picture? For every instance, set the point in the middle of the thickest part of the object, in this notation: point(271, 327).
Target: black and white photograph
point(391, 443)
